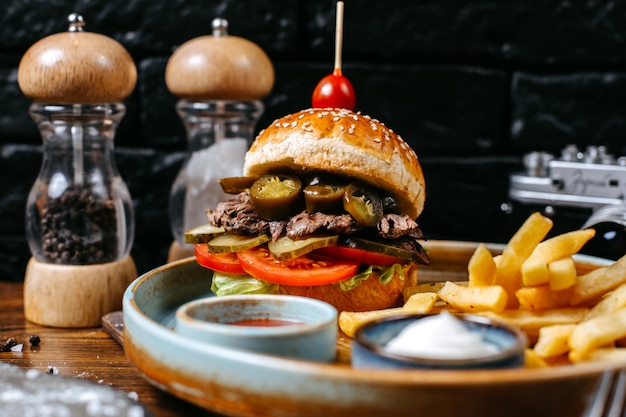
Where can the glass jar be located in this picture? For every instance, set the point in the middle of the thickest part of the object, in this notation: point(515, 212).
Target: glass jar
point(79, 210)
point(219, 133)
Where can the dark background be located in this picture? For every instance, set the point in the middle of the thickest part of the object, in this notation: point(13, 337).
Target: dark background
point(472, 86)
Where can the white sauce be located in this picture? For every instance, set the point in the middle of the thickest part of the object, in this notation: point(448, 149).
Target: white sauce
point(442, 336)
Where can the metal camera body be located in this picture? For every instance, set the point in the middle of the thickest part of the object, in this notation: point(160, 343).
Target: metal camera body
point(591, 182)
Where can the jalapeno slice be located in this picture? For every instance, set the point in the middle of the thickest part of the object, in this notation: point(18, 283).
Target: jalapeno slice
point(235, 185)
point(324, 198)
point(363, 205)
point(276, 196)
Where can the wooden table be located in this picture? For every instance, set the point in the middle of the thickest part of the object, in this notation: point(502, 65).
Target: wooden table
point(90, 354)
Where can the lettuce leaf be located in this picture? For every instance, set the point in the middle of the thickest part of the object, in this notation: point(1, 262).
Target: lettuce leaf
point(385, 274)
point(232, 284)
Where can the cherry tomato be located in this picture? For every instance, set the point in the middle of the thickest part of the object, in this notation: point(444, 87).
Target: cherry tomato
point(334, 90)
point(303, 270)
point(359, 255)
point(222, 262)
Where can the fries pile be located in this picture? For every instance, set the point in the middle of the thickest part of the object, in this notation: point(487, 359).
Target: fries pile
point(533, 284)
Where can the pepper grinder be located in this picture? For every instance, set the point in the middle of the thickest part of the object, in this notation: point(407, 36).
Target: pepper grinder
point(79, 213)
point(220, 80)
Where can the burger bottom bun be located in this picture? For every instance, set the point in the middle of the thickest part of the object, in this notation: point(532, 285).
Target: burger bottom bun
point(370, 295)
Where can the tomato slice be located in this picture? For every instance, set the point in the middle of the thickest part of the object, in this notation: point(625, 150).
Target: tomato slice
point(304, 270)
point(222, 262)
point(363, 256)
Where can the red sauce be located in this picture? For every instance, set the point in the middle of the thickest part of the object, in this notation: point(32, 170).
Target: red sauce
point(265, 322)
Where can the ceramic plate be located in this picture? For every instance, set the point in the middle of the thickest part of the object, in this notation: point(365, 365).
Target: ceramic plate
point(240, 383)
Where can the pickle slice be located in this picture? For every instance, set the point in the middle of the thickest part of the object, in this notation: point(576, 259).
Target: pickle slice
point(234, 243)
point(202, 233)
point(285, 248)
point(358, 243)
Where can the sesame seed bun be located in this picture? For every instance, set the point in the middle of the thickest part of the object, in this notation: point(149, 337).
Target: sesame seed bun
point(344, 143)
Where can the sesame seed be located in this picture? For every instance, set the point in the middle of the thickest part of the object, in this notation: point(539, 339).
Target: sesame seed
point(342, 128)
point(294, 123)
point(285, 124)
point(301, 116)
point(377, 140)
point(355, 117)
point(336, 118)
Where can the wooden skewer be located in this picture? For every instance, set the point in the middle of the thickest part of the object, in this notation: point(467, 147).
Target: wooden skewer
point(338, 35)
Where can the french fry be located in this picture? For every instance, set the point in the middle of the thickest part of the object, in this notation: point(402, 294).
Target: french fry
point(553, 340)
point(419, 303)
point(350, 321)
point(599, 281)
point(517, 250)
point(531, 321)
point(473, 299)
point(598, 332)
point(532, 360)
point(535, 268)
point(542, 297)
point(562, 274)
point(602, 355)
point(615, 300)
point(481, 267)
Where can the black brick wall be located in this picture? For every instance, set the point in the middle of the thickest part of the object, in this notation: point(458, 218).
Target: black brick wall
point(471, 86)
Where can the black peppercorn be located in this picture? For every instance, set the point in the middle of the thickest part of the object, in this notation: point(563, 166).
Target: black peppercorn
point(35, 340)
point(79, 228)
point(8, 344)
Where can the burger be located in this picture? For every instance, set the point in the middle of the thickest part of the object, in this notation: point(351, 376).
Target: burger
point(326, 208)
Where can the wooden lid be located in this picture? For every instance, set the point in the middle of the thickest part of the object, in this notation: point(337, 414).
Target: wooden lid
point(219, 67)
point(77, 67)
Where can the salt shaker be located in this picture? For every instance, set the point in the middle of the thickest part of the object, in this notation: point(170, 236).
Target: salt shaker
point(220, 80)
point(79, 213)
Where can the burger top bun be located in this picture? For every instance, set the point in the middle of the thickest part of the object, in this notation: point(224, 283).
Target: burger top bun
point(345, 143)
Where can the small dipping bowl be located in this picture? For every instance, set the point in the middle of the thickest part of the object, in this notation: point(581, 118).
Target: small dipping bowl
point(283, 325)
point(369, 345)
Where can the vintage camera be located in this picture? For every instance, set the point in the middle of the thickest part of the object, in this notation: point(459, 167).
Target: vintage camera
point(588, 186)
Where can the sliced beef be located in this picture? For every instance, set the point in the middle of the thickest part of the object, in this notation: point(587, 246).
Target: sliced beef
point(393, 226)
point(277, 228)
point(306, 223)
point(237, 215)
